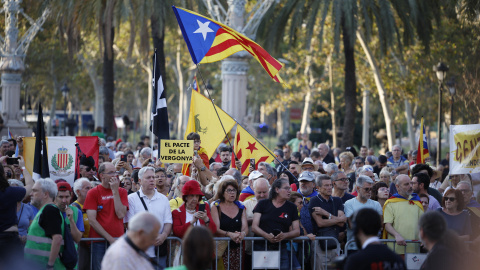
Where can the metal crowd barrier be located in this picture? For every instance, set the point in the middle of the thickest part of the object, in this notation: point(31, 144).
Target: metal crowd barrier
point(386, 241)
point(173, 249)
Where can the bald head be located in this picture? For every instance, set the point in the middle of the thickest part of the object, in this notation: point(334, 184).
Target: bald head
point(404, 185)
point(143, 230)
point(261, 187)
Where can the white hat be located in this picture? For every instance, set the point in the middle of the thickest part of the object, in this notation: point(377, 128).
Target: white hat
point(254, 175)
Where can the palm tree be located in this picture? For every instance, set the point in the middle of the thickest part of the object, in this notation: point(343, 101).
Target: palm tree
point(379, 17)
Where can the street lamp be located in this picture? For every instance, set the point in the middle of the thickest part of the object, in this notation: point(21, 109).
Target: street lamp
point(65, 91)
point(451, 88)
point(441, 71)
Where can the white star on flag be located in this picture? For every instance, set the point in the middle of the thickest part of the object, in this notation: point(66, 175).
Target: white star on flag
point(203, 28)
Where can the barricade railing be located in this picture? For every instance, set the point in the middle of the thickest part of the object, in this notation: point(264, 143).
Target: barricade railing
point(294, 248)
point(386, 241)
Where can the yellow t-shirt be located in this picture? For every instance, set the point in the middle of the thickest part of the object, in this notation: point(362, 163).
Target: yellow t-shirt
point(86, 225)
point(175, 203)
point(404, 218)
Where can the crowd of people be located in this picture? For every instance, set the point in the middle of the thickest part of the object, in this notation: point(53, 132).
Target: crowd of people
point(133, 202)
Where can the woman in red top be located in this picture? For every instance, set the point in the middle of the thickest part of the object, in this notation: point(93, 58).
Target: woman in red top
point(189, 214)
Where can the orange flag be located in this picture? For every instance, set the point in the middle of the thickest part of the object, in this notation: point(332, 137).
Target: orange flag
point(246, 147)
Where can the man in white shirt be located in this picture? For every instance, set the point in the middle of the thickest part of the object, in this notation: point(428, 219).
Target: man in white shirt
point(128, 252)
point(364, 186)
point(150, 200)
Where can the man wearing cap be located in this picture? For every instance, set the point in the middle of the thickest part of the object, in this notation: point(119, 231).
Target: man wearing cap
point(307, 190)
point(248, 193)
point(70, 213)
point(150, 200)
point(87, 167)
point(106, 206)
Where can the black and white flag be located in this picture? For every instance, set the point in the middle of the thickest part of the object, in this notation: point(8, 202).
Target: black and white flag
point(160, 126)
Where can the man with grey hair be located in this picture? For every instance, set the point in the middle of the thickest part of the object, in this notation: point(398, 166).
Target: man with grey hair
point(81, 187)
point(323, 150)
point(150, 200)
point(401, 215)
point(45, 235)
point(330, 168)
point(130, 251)
point(340, 186)
point(214, 167)
point(472, 206)
point(364, 190)
point(267, 170)
point(397, 161)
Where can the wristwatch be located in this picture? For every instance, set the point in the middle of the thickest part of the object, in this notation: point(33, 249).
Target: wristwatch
point(330, 216)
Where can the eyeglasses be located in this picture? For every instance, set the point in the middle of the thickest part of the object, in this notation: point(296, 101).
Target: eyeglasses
point(89, 168)
point(367, 189)
point(287, 188)
point(383, 189)
point(452, 199)
point(231, 190)
point(111, 173)
point(343, 179)
point(465, 190)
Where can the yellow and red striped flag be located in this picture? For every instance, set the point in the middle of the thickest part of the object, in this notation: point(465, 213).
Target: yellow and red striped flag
point(209, 41)
point(422, 152)
point(247, 147)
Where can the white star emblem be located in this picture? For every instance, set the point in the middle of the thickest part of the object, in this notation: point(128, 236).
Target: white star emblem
point(203, 28)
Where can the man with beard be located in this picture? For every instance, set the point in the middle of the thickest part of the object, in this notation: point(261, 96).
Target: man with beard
point(401, 214)
point(374, 255)
point(420, 182)
point(226, 156)
point(47, 228)
point(364, 190)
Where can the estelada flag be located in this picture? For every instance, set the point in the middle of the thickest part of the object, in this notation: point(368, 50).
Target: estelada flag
point(247, 147)
point(204, 120)
point(63, 156)
point(195, 83)
point(209, 41)
point(422, 152)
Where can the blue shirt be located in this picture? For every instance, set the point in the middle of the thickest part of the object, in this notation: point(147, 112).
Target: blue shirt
point(79, 222)
point(24, 219)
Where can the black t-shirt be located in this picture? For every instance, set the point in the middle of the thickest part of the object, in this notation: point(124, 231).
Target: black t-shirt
point(272, 218)
point(373, 257)
point(328, 206)
point(8, 206)
point(51, 220)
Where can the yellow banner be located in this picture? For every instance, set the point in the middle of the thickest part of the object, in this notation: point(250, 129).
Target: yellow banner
point(176, 151)
point(465, 149)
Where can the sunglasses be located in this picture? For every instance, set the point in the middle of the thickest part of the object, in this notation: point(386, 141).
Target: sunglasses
point(88, 169)
point(452, 199)
point(169, 176)
point(367, 189)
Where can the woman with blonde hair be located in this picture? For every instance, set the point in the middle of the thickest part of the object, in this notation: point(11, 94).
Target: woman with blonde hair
point(386, 175)
point(346, 159)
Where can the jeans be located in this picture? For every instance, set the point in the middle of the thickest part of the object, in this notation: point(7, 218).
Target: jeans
point(98, 251)
point(162, 262)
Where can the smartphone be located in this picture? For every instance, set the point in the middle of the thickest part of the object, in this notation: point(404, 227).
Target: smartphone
point(123, 158)
point(12, 161)
point(195, 153)
point(276, 232)
point(252, 163)
point(201, 207)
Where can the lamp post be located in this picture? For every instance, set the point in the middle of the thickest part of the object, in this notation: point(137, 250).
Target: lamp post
point(65, 91)
point(451, 88)
point(441, 71)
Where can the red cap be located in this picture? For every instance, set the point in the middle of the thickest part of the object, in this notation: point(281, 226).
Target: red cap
point(64, 186)
point(191, 187)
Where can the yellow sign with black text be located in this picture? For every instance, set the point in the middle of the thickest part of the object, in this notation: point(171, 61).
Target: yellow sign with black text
point(464, 149)
point(176, 151)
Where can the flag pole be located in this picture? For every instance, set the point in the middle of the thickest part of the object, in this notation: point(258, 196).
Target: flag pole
point(213, 104)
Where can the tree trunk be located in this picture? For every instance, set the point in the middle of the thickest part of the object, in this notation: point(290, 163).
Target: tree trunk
point(332, 102)
point(411, 132)
point(54, 99)
point(90, 67)
point(108, 81)
point(387, 112)
point(350, 90)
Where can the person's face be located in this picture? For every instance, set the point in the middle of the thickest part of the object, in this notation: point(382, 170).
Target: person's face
point(11, 146)
point(127, 184)
point(414, 158)
point(342, 182)
point(293, 169)
point(365, 192)
point(383, 193)
point(262, 169)
point(215, 169)
point(86, 186)
point(261, 191)
point(396, 152)
point(192, 201)
point(415, 185)
point(345, 163)
point(299, 203)
point(148, 180)
point(230, 194)
point(5, 147)
point(181, 183)
point(18, 171)
point(309, 168)
point(322, 150)
point(305, 137)
point(87, 172)
point(37, 195)
point(196, 144)
point(449, 204)
point(382, 165)
point(63, 199)
point(405, 187)
point(466, 192)
point(385, 178)
point(299, 135)
point(363, 152)
point(306, 187)
point(177, 168)
point(370, 174)
point(371, 152)
point(455, 179)
point(130, 158)
point(108, 174)
point(8, 171)
point(225, 156)
point(359, 163)
point(424, 202)
point(326, 188)
point(127, 174)
point(284, 191)
point(161, 178)
point(286, 153)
